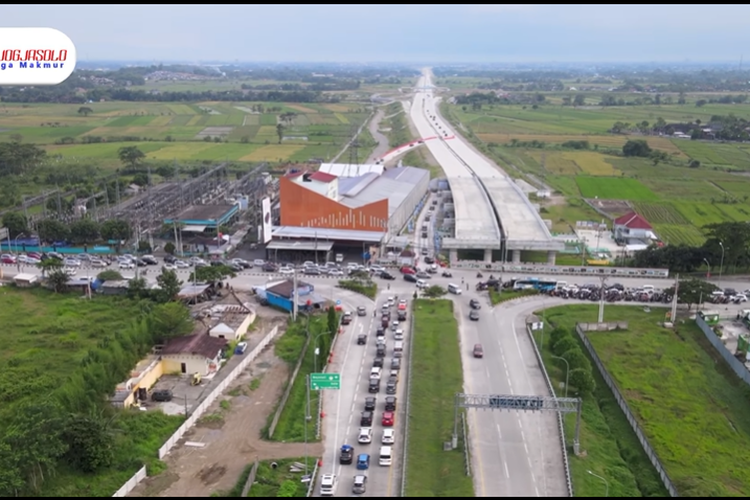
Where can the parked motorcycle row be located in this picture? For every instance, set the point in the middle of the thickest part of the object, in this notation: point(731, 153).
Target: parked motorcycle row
point(612, 293)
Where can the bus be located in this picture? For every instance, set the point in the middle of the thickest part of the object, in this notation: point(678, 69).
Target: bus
point(535, 284)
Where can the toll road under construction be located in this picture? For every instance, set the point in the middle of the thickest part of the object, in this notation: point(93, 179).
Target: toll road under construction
point(492, 214)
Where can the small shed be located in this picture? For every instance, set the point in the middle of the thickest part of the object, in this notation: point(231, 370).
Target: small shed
point(710, 317)
point(115, 287)
point(24, 280)
point(193, 354)
point(222, 331)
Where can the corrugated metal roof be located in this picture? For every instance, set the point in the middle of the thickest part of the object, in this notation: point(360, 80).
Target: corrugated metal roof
point(322, 177)
point(355, 185)
point(349, 170)
point(411, 175)
point(395, 185)
point(320, 233)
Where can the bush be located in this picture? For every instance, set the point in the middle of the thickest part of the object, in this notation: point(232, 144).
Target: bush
point(435, 291)
point(369, 290)
point(287, 489)
point(556, 334)
point(576, 359)
point(582, 380)
point(564, 345)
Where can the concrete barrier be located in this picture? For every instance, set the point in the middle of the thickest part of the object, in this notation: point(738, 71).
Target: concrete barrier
point(131, 483)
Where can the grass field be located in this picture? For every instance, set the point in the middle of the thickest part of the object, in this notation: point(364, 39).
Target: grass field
point(44, 337)
point(611, 447)
point(677, 386)
point(268, 480)
point(436, 376)
point(614, 188)
point(176, 131)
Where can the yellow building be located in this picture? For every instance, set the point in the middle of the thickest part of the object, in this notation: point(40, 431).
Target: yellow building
point(146, 373)
point(193, 354)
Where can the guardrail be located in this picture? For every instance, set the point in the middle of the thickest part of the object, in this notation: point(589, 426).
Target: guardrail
point(407, 419)
point(466, 444)
point(250, 479)
point(647, 448)
point(614, 272)
point(561, 427)
point(198, 412)
point(319, 421)
point(311, 486)
point(288, 390)
point(737, 366)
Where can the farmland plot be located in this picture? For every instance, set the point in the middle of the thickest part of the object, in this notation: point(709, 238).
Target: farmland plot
point(700, 151)
point(276, 152)
point(591, 163)
point(660, 213)
point(614, 188)
point(555, 163)
point(676, 234)
point(700, 213)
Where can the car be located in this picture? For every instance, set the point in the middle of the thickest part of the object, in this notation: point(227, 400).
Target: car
point(268, 267)
point(370, 403)
point(360, 485)
point(71, 262)
point(377, 362)
point(447, 274)
point(362, 339)
point(402, 306)
point(97, 263)
point(425, 252)
point(474, 304)
point(346, 456)
point(312, 271)
point(286, 270)
point(478, 351)
point(380, 352)
point(328, 484)
point(390, 403)
point(170, 259)
point(423, 275)
point(240, 348)
point(429, 260)
point(70, 271)
point(421, 284)
point(363, 461)
point(193, 260)
point(401, 316)
point(391, 386)
point(474, 316)
point(389, 436)
point(398, 354)
point(7, 259)
point(396, 364)
point(259, 263)
point(410, 278)
point(387, 276)
point(388, 419)
point(126, 265)
point(346, 318)
point(394, 325)
point(242, 263)
point(361, 311)
point(181, 264)
point(408, 270)
point(398, 334)
point(162, 395)
point(373, 387)
point(150, 260)
point(365, 419)
point(380, 332)
point(375, 372)
point(335, 272)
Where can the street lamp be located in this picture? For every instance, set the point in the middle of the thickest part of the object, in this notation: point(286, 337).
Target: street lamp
point(721, 266)
point(708, 264)
point(606, 484)
point(567, 373)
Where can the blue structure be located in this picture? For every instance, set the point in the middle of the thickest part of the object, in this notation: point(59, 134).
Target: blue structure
point(280, 295)
point(205, 216)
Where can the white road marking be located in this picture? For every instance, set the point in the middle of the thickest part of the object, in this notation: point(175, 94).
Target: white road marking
point(507, 474)
point(500, 434)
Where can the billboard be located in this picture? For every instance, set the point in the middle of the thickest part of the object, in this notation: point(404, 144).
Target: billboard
point(267, 222)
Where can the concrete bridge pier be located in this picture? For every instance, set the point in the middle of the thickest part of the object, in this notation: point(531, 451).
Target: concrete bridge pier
point(453, 255)
point(551, 258)
point(488, 255)
point(516, 256)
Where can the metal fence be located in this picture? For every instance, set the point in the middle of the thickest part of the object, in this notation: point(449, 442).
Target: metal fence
point(250, 479)
point(311, 485)
point(131, 483)
point(407, 414)
point(668, 484)
point(738, 366)
point(289, 387)
point(467, 459)
point(561, 427)
point(542, 269)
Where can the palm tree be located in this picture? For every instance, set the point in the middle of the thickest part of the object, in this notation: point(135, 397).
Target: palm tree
point(49, 265)
point(58, 280)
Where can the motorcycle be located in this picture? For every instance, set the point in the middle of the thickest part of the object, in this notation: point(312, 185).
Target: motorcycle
point(479, 275)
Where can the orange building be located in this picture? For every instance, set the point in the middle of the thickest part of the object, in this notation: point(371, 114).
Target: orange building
point(312, 200)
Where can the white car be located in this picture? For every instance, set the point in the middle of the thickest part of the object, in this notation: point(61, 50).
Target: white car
point(259, 262)
point(286, 270)
point(421, 284)
point(126, 264)
point(365, 435)
point(32, 261)
point(71, 262)
point(389, 436)
point(70, 271)
point(398, 335)
point(170, 267)
point(327, 485)
point(335, 272)
point(196, 260)
point(377, 269)
point(181, 264)
point(97, 263)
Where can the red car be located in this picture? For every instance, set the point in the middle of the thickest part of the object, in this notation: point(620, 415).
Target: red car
point(34, 255)
point(408, 270)
point(388, 418)
point(8, 260)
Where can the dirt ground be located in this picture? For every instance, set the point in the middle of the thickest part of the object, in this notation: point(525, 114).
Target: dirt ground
point(231, 442)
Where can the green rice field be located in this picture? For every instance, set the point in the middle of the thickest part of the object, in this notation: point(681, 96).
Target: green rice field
point(614, 188)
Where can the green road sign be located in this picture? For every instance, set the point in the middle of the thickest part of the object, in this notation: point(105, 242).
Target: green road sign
point(320, 381)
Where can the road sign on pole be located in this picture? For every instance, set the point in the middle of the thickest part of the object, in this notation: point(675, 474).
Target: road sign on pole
point(319, 381)
point(338, 302)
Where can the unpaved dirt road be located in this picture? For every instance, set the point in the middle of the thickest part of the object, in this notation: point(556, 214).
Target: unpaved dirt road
point(230, 444)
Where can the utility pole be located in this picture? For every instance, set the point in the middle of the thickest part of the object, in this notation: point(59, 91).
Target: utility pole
point(674, 298)
point(601, 300)
point(294, 297)
point(307, 416)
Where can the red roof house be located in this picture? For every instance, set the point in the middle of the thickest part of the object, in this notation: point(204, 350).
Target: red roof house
point(632, 226)
point(632, 220)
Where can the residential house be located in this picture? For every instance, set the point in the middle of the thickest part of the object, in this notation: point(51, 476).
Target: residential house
point(632, 226)
point(193, 354)
point(229, 321)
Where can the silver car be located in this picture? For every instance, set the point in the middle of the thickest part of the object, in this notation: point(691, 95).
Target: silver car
point(360, 485)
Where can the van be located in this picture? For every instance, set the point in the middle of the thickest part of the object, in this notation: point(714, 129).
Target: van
point(375, 373)
point(648, 288)
point(452, 288)
point(385, 458)
point(398, 347)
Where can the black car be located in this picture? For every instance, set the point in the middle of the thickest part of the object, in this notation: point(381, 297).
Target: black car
point(381, 351)
point(218, 262)
point(269, 268)
point(395, 364)
point(390, 387)
point(390, 403)
point(170, 259)
point(370, 403)
point(429, 260)
point(347, 455)
point(380, 332)
point(474, 304)
point(150, 260)
point(377, 362)
point(362, 339)
point(387, 276)
point(162, 395)
point(366, 419)
point(410, 278)
point(374, 386)
point(474, 316)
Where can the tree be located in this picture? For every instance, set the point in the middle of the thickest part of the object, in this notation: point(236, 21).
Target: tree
point(140, 179)
point(579, 100)
point(169, 248)
point(84, 231)
point(115, 229)
point(85, 111)
point(166, 171)
point(131, 156)
point(15, 223)
point(582, 380)
point(280, 131)
point(576, 359)
point(52, 230)
point(636, 147)
point(556, 334)
point(169, 285)
point(49, 265)
point(333, 321)
point(564, 344)
point(109, 275)
point(11, 480)
point(90, 442)
point(58, 280)
point(170, 320)
point(693, 291)
point(138, 289)
point(435, 291)
point(211, 274)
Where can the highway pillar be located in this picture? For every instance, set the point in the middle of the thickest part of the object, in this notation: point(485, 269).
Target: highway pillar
point(453, 256)
point(516, 256)
point(551, 258)
point(488, 255)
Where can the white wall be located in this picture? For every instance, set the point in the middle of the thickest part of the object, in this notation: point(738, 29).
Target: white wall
point(193, 363)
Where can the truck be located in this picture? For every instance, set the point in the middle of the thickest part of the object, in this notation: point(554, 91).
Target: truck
point(346, 318)
point(339, 258)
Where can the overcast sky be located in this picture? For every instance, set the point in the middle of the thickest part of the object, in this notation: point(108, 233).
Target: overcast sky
point(397, 33)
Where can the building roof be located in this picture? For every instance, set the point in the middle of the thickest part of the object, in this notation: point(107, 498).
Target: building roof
point(286, 287)
point(294, 174)
point(349, 170)
point(192, 290)
point(308, 246)
point(321, 234)
point(222, 329)
point(395, 185)
point(632, 220)
point(202, 345)
point(323, 177)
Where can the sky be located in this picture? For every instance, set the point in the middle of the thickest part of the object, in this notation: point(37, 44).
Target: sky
point(470, 33)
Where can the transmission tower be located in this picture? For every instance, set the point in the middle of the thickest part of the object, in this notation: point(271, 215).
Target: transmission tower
point(354, 149)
